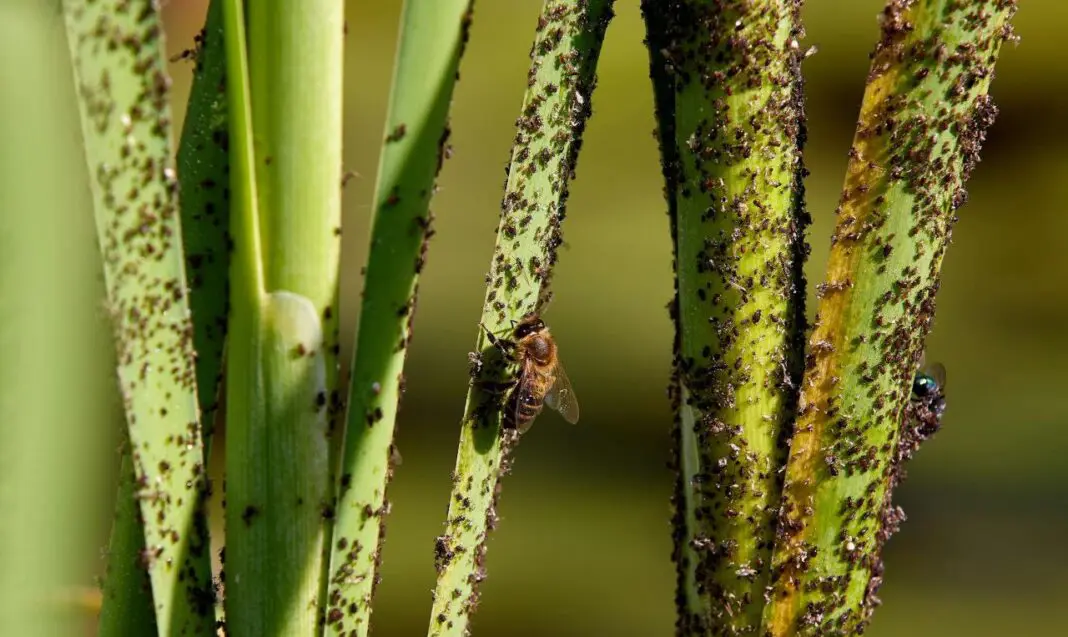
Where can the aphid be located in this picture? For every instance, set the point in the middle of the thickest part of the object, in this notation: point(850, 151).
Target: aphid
point(542, 380)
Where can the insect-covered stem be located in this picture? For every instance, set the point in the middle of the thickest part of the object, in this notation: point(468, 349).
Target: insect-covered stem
point(202, 165)
point(923, 118)
point(555, 109)
point(431, 43)
point(117, 48)
point(728, 94)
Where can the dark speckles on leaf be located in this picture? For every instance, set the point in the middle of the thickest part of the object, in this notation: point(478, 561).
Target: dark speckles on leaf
point(734, 182)
point(249, 514)
point(124, 91)
point(397, 134)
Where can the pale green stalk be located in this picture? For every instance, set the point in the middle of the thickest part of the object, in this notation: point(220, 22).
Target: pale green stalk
point(120, 75)
point(924, 116)
point(55, 373)
point(555, 109)
point(431, 43)
point(282, 360)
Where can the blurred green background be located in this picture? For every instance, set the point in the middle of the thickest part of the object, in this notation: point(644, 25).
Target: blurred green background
point(583, 546)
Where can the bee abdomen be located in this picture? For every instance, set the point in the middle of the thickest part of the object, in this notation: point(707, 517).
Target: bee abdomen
point(521, 412)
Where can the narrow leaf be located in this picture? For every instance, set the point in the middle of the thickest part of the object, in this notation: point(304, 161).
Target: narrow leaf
point(120, 72)
point(282, 352)
point(428, 57)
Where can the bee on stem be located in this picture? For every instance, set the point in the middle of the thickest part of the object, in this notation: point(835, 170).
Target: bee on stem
point(542, 379)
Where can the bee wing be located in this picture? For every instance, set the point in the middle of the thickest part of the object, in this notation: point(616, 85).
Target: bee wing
point(527, 394)
point(561, 396)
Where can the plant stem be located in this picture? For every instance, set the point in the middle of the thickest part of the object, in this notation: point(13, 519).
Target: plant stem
point(431, 44)
point(296, 83)
point(282, 370)
point(555, 109)
point(120, 72)
point(56, 375)
point(922, 121)
point(727, 80)
point(244, 378)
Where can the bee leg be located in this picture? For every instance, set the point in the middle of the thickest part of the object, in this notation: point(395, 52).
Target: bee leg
point(496, 387)
point(507, 347)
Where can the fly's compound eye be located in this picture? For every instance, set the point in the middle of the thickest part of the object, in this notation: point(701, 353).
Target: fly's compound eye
point(924, 385)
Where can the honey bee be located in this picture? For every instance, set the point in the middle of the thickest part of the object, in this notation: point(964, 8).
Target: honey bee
point(542, 379)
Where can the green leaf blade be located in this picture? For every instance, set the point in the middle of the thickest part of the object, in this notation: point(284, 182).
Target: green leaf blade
point(428, 57)
point(120, 73)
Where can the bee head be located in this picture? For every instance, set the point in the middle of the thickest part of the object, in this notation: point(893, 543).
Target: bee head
point(529, 324)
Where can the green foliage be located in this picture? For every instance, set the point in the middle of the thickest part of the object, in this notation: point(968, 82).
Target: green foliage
point(202, 165)
point(127, 607)
point(284, 94)
point(54, 380)
point(203, 173)
point(773, 535)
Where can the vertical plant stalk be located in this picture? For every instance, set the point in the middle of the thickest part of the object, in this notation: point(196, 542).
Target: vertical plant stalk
point(282, 369)
point(556, 107)
point(244, 577)
point(431, 44)
point(56, 376)
point(296, 77)
point(728, 86)
point(203, 163)
point(120, 74)
point(923, 118)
